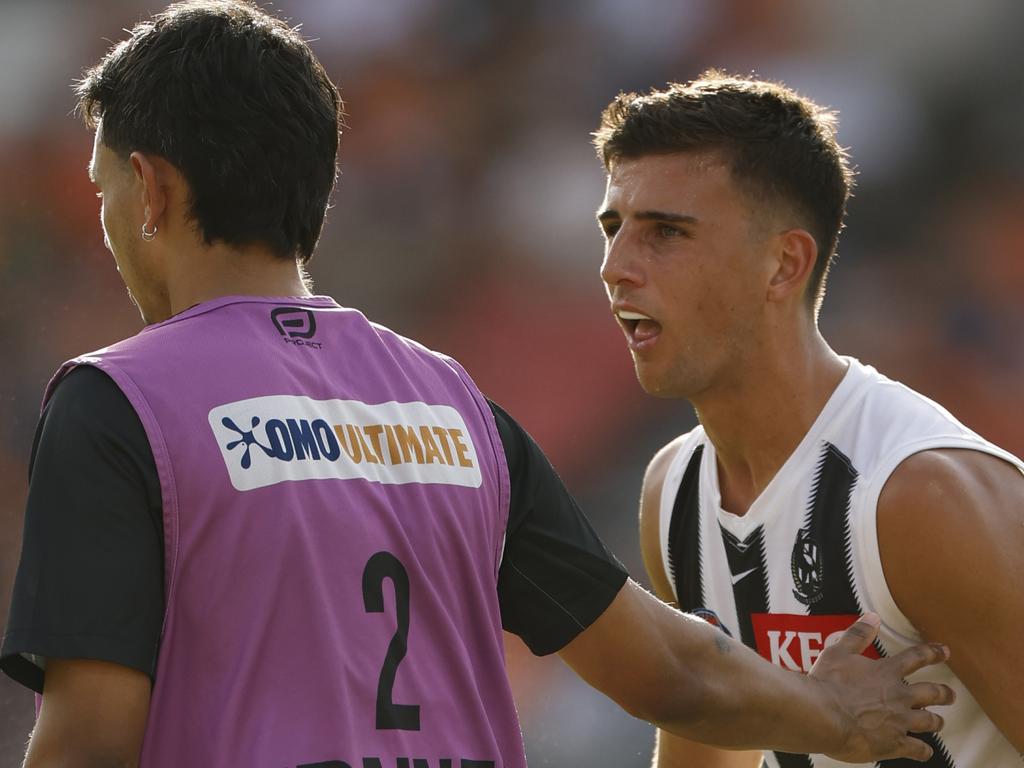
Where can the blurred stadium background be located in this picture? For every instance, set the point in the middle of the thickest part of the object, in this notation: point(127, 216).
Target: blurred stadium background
point(464, 217)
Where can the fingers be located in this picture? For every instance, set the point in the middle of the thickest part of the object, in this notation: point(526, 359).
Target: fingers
point(915, 749)
point(919, 656)
point(930, 694)
point(923, 721)
point(860, 635)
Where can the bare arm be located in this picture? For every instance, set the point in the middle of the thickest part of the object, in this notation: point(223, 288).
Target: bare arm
point(689, 678)
point(673, 751)
point(951, 537)
point(93, 715)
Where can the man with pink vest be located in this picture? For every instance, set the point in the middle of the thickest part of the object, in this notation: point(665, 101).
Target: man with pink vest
point(267, 532)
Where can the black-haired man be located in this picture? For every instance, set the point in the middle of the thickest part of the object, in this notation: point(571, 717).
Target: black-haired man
point(814, 488)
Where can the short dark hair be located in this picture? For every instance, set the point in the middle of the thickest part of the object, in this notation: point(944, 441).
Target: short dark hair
point(779, 145)
point(235, 100)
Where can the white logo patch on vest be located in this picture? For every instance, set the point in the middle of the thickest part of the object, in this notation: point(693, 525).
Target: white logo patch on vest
point(267, 440)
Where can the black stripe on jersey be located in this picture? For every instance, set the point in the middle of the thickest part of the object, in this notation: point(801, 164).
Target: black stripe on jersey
point(748, 566)
point(749, 570)
point(684, 556)
point(787, 760)
point(939, 759)
point(827, 526)
point(827, 531)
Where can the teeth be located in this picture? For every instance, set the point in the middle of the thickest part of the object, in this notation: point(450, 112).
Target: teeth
point(631, 315)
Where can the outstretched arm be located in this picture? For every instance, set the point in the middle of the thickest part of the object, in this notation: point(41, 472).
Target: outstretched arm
point(687, 677)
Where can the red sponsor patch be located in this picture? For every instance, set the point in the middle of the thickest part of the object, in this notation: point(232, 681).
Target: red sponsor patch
point(794, 641)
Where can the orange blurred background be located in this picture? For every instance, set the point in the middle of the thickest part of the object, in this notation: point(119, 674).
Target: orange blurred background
point(464, 218)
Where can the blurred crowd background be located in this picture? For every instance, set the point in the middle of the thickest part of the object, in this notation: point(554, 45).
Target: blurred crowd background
point(465, 218)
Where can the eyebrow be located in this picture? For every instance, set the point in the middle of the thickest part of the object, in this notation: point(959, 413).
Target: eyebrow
point(680, 218)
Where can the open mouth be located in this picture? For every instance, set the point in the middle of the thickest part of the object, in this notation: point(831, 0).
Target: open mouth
point(640, 329)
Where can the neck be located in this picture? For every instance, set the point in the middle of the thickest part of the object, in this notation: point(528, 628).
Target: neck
point(221, 270)
point(758, 422)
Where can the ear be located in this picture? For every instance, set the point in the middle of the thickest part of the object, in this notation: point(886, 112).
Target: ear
point(153, 177)
point(796, 256)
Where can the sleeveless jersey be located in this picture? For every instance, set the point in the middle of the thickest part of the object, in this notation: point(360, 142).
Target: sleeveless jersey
point(803, 563)
point(335, 500)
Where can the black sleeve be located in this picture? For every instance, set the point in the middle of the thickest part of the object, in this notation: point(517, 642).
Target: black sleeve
point(90, 580)
point(556, 574)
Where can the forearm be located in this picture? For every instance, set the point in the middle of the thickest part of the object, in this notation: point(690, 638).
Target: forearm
point(735, 699)
point(689, 678)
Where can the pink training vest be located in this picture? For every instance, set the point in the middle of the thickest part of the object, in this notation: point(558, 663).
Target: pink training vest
point(335, 499)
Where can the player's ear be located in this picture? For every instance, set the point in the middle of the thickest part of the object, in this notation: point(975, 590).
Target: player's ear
point(796, 254)
point(154, 175)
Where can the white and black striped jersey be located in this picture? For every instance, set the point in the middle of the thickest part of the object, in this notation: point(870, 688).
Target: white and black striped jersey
point(803, 562)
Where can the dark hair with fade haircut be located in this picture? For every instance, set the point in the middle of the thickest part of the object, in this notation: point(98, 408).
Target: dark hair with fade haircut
point(777, 143)
point(235, 100)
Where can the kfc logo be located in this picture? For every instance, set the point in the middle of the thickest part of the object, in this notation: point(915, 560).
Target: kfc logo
point(795, 641)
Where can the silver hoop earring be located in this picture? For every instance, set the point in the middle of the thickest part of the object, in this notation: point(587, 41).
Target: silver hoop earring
point(147, 235)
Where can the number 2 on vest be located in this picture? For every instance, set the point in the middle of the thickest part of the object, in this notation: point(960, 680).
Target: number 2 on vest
point(384, 565)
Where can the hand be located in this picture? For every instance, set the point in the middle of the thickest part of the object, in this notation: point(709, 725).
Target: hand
point(879, 711)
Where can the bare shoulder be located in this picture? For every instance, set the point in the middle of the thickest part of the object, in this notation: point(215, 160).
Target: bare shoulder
point(950, 527)
point(957, 487)
point(650, 518)
point(654, 478)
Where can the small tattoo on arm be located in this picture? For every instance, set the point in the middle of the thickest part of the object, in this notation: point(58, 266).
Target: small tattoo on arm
point(722, 643)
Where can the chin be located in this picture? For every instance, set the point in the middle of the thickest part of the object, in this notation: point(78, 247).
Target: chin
point(663, 384)
point(653, 384)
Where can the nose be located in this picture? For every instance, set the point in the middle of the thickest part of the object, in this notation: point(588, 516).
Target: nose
point(621, 265)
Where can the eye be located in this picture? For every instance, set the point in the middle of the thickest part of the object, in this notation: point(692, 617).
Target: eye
point(667, 230)
point(609, 230)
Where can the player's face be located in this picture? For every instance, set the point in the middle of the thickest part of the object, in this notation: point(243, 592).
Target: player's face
point(122, 214)
point(685, 271)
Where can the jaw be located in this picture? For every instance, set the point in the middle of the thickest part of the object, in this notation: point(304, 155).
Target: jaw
point(655, 377)
point(146, 292)
point(677, 372)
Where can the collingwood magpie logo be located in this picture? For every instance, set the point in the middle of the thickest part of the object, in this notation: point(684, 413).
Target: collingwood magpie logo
point(808, 574)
